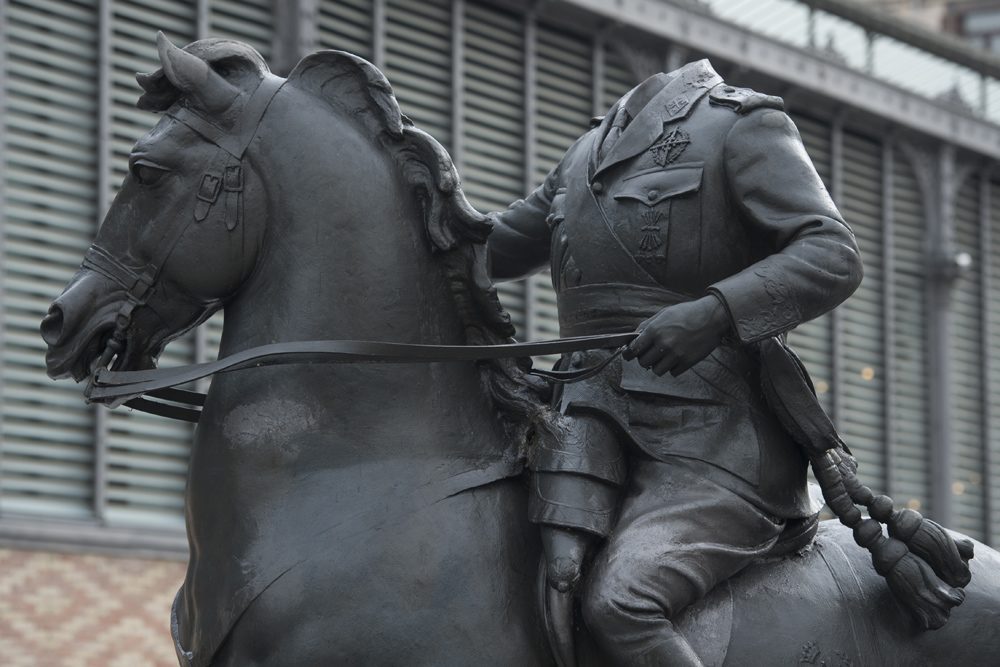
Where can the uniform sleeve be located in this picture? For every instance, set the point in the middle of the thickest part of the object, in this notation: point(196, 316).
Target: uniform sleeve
point(519, 243)
point(814, 263)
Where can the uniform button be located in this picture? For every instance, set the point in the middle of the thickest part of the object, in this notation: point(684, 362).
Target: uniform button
point(729, 89)
point(653, 194)
point(597, 187)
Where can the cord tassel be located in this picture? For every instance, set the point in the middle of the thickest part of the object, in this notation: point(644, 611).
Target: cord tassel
point(932, 543)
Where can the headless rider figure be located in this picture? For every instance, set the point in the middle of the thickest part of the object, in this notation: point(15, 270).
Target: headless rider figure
point(691, 213)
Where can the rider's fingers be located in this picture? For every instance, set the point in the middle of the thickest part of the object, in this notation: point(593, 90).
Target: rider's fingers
point(637, 347)
point(680, 366)
point(651, 357)
point(667, 363)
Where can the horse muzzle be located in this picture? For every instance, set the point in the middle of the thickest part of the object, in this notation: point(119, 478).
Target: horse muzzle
point(78, 325)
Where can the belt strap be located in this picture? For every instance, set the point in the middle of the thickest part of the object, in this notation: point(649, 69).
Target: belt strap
point(611, 308)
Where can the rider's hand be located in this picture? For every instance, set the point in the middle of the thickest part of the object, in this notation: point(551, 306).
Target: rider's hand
point(679, 336)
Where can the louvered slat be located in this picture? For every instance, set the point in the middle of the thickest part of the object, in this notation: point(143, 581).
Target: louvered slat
point(250, 21)
point(966, 381)
point(418, 62)
point(909, 430)
point(618, 80)
point(991, 475)
point(493, 121)
point(862, 350)
point(345, 25)
point(49, 181)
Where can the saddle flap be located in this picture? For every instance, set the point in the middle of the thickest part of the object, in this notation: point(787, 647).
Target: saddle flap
point(653, 187)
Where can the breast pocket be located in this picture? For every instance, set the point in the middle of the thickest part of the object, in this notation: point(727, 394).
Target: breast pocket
point(652, 188)
point(650, 196)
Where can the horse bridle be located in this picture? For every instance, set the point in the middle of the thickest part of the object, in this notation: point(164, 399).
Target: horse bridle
point(225, 175)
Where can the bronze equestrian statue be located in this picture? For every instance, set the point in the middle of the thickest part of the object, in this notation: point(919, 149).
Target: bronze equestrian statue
point(378, 513)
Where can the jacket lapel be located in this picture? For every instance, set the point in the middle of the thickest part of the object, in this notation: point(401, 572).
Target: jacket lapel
point(674, 102)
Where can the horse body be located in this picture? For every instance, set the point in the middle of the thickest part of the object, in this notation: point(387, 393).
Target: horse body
point(827, 606)
point(370, 513)
point(345, 490)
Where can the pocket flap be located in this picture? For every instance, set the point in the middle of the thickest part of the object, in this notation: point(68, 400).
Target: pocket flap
point(687, 385)
point(653, 187)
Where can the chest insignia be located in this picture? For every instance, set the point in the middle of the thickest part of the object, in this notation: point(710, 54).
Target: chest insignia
point(670, 147)
point(652, 236)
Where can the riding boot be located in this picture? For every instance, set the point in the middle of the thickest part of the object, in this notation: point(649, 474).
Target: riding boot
point(565, 550)
point(674, 651)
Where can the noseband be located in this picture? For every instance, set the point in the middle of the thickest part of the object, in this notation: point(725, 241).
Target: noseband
point(224, 175)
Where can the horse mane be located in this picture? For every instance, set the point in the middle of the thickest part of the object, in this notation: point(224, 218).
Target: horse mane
point(456, 232)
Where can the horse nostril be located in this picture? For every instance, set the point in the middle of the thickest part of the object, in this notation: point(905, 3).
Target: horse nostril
point(52, 326)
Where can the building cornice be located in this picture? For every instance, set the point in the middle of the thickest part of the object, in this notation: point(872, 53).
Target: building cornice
point(799, 68)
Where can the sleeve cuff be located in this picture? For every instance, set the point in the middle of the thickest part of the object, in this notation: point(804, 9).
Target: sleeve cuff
point(758, 309)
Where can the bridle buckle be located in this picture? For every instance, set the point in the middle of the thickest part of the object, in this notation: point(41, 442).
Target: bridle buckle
point(208, 191)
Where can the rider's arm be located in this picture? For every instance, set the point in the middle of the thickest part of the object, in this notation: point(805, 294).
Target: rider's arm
point(814, 263)
point(519, 243)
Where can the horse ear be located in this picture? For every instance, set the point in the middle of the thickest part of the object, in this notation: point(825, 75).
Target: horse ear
point(353, 86)
point(194, 77)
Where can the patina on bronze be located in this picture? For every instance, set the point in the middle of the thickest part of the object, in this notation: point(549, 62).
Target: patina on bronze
point(378, 513)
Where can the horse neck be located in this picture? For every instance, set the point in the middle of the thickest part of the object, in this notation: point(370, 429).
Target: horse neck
point(345, 255)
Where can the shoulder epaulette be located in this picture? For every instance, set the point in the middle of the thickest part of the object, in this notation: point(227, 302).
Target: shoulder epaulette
point(743, 100)
point(596, 120)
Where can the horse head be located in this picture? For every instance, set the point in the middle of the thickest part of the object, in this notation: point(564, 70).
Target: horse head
point(184, 230)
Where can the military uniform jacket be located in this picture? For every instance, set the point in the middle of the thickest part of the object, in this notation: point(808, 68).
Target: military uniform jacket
point(708, 190)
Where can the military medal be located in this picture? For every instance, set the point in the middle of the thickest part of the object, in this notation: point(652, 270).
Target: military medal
point(651, 243)
point(668, 149)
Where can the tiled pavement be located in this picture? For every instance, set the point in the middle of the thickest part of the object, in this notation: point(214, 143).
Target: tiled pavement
point(59, 610)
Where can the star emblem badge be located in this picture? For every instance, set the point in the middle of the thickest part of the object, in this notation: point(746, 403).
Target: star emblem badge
point(670, 147)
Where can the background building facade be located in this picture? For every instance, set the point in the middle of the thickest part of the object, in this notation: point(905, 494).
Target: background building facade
point(904, 129)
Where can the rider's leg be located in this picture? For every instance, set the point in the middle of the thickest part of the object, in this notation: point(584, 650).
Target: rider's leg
point(678, 536)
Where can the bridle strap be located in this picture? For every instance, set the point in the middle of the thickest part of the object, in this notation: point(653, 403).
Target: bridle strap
point(229, 180)
point(236, 141)
point(112, 386)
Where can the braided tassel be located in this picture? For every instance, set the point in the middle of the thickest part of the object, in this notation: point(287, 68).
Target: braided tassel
point(932, 543)
point(915, 559)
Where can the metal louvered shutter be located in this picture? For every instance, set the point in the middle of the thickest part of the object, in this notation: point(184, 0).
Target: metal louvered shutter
point(861, 362)
point(617, 78)
point(146, 455)
point(813, 341)
point(250, 21)
point(966, 381)
point(418, 62)
point(908, 356)
point(991, 310)
point(49, 183)
point(563, 101)
point(493, 121)
point(346, 25)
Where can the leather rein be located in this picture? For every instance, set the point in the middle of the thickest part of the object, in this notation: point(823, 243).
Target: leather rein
point(131, 387)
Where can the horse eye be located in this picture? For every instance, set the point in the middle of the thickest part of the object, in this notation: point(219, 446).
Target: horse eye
point(147, 175)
